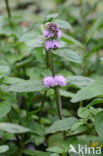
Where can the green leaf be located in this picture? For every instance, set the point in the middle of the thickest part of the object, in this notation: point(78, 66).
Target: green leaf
point(88, 92)
point(5, 108)
point(94, 102)
point(28, 36)
point(68, 55)
point(14, 30)
point(37, 42)
point(4, 71)
point(94, 28)
point(83, 112)
point(61, 125)
point(26, 86)
point(65, 93)
point(70, 40)
point(78, 124)
point(63, 24)
point(56, 149)
point(54, 154)
point(99, 123)
point(13, 128)
point(36, 153)
point(4, 148)
point(79, 81)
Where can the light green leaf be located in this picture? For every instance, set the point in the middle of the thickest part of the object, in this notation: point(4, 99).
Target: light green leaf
point(99, 123)
point(88, 92)
point(70, 40)
point(78, 124)
point(5, 108)
point(79, 81)
point(68, 55)
point(13, 128)
point(4, 148)
point(83, 112)
point(36, 153)
point(26, 86)
point(4, 71)
point(94, 102)
point(65, 93)
point(37, 42)
point(63, 24)
point(56, 149)
point(61, 125)
point(94, 28)
point(28, 36)
point(54, 154)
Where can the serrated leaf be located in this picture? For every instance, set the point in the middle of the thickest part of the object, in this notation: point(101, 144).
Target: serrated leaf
point(61, 125)
point(26, 86)
point(88, 92)
point(4, 148)
point(5, 108)
point(68, 55)
point(13, 128)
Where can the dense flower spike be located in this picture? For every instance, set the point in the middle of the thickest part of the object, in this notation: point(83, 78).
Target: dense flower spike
point(52, 44)
point(49, 81)
point(52, 31)
point(60, 81)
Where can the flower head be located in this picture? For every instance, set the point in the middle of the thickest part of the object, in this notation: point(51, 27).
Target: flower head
point(52, 44)
point(52, 30)
point(49, 81)
point(60, 81)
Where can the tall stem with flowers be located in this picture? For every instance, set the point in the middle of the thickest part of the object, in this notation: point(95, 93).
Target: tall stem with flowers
point(52, 34)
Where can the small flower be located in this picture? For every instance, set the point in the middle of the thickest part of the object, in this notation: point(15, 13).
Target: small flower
point(60, 81)
point(52, 44)
point(52, 30)
point(49, 81)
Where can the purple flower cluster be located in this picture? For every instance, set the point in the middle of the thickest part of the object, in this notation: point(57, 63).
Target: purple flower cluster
point(52, 44)
point(58, 80)
point(52, 33)
point(49, 81)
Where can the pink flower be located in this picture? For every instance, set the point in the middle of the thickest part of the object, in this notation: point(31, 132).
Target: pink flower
point(49, 81)
point(52, 31)
point(60, 81)
point(52, 44)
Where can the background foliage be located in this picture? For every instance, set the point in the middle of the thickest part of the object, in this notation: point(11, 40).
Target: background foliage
point(29, 123)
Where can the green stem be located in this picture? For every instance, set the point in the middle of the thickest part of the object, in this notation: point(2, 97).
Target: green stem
point(56, 89)
point(42, 106)
point(83, 16)
point(8, 8)
point(50, 60)
point(58, 102)
point(81, 104)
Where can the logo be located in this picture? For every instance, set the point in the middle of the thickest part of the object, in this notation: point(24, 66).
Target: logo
point(85, 150)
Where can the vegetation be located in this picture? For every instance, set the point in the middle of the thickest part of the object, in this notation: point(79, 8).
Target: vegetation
point(51, 77)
